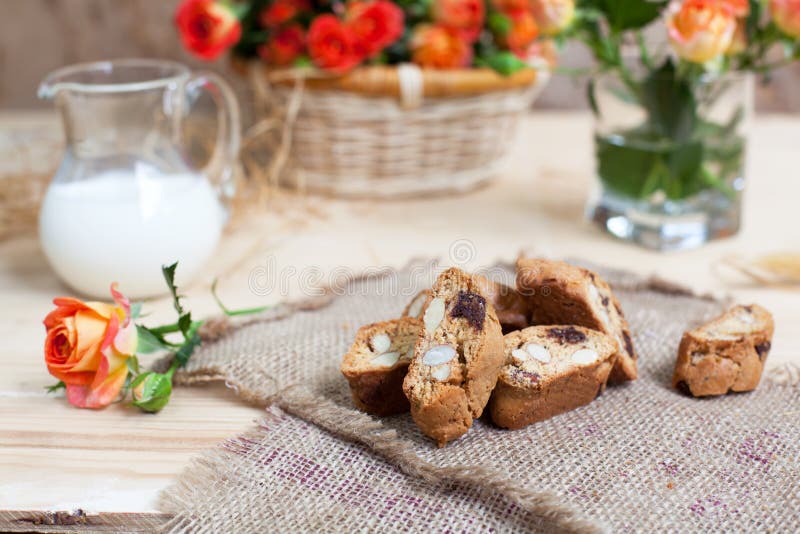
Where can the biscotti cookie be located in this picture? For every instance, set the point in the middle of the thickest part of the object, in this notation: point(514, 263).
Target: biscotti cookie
point(376, 365)
point(512, 309)
point(726, 354)
point(561, 293)
point(550, 370)
point(456, 359)
point(416, 305)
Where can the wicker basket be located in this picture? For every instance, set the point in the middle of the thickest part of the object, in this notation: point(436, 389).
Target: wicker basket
point(389, 132)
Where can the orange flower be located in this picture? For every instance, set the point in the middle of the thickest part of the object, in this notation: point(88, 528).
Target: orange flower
point(553, 16)
point(439, 47)
point(523, 32)
point(701, 29)
point(786, 14)
point(87, 347)
point(207, 28)
point(740, 8)
point(466, 16)
point(284, 46)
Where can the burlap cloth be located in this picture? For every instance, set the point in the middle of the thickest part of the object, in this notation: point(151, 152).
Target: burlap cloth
point(640, 458)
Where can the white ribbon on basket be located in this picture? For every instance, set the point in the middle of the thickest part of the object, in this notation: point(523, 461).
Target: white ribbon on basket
point(412, 85)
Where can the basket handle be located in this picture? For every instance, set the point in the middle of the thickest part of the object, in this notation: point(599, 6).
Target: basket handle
point(409, 77)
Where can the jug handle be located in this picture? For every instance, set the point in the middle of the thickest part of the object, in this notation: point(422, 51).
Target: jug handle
point(221, 167)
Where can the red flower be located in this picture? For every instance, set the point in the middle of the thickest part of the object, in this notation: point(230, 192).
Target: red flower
point(375, 25)
point(332, 45)
point(284, 46)
point(282, 11)
point(207, 28)
point(466, 16)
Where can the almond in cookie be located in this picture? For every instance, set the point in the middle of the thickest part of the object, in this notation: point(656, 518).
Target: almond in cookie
point(550, 370)
point(725, 354)
point(456, 359)
point(560, 293)
point(416, 305)
point(376, 365)
point(512, 309)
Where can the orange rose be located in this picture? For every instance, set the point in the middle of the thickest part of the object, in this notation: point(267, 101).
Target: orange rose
point(786, 14)
point(740, 8)
point(465, 16)
point(438, 47)
point(701, 29)
point(87, 347)
point(522, 33)
point(553, 16)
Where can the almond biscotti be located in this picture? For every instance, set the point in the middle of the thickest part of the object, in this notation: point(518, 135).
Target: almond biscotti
point(456, 359)
point(560, 293)
point(376, 365)
point(512, 309)
point(550, 370)
point(726, 354)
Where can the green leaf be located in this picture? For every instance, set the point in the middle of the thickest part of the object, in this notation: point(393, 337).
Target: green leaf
point(670, 103)
point(684, 163)
point(753, 19)
point(499, 23)
point(184, 318)
point(302, 62)
point(133, 364)
point(150, 341)
point(186, 350)
point(625, 169)
point(627, 14)
point(169, 276)
point(505, 63)
point(55, 387)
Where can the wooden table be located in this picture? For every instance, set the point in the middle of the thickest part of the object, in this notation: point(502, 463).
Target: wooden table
point(55, 457)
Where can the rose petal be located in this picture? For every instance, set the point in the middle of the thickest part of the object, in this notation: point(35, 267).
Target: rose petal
point(122, 302)
point(126, 340)
point(98, 395)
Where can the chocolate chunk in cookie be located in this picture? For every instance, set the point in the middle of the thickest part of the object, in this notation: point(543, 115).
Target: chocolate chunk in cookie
point(471, 307)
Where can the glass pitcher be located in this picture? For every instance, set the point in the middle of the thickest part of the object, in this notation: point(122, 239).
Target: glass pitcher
point(125, 199)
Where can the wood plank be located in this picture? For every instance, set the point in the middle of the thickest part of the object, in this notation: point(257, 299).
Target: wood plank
point(34, 521)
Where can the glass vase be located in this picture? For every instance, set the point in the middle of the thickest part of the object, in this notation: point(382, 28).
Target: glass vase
point(670, 157)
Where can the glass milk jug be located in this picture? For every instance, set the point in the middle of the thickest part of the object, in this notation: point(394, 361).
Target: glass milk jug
point(125, 199)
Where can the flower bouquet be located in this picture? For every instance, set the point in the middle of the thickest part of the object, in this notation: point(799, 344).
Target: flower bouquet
point(385, 98)
point(672, 95)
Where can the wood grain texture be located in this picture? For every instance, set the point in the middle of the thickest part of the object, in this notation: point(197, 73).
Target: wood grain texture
point(55, 457)
point(33, 521)
point(37, 36)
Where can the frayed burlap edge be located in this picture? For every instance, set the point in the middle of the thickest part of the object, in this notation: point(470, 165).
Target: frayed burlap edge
point(361, 428)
